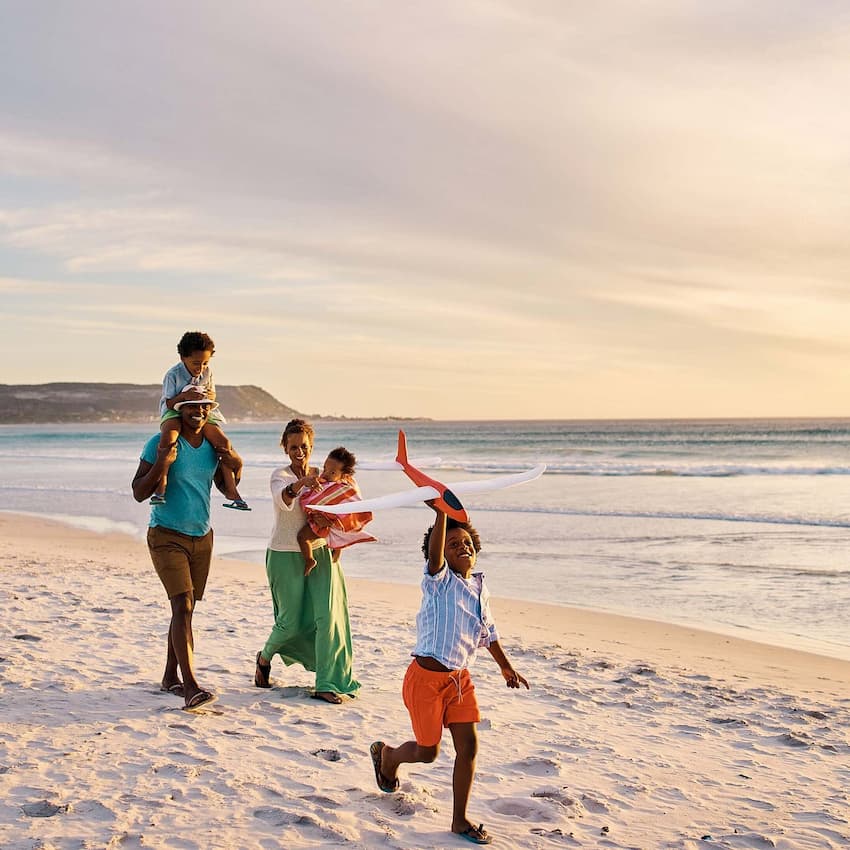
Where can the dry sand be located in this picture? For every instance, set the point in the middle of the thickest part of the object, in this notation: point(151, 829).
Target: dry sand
point(635, 734)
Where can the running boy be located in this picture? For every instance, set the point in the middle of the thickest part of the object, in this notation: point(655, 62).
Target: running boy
point(345, 529)
point(453, 621)
point(191, 382)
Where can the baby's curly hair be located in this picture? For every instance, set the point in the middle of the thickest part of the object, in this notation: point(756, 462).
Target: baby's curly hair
point(345, 457)
point(192, 341)
point(450, 524)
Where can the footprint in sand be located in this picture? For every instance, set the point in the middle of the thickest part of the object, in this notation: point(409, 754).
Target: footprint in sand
point(537, 766)
point(517, 807)
point(42, 809)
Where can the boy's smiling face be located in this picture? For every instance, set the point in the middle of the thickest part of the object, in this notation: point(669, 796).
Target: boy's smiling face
point(197, 361)
point(460, 551)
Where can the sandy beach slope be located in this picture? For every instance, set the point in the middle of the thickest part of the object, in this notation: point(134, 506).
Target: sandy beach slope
point(634, 735)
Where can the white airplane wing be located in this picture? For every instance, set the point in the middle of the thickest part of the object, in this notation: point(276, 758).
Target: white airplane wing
point(486, 485)
point(390, 500)
point(422, 494)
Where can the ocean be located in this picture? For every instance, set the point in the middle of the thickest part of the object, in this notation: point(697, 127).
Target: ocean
point(737, 526)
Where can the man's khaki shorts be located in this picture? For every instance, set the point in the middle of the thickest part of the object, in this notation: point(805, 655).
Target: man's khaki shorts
point(181, 562)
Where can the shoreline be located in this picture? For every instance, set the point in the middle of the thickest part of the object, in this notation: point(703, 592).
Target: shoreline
point(714, 634)
point(680, 643)
point(571, 621)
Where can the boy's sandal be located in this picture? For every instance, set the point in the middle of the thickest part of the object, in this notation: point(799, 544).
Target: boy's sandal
point(262, 673)
point(384, 784)
point(156, 499)
point(476, 834)
point(237, 505)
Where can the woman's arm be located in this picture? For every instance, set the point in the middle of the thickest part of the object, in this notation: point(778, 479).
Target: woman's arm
point(285, 490)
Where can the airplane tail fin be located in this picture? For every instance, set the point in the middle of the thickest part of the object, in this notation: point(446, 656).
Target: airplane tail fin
point(401, 457)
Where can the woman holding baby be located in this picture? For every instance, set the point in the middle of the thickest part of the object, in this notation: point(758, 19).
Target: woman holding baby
point(311, 625)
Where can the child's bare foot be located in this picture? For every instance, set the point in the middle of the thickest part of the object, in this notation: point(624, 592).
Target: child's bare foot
point(309, 565)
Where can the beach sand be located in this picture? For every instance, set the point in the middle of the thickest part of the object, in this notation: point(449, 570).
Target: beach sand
point(635, 734)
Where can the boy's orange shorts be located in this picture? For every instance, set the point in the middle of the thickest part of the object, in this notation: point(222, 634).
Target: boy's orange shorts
point(434, 700)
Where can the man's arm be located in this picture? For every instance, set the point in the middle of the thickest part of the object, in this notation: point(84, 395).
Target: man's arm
point(148, 474)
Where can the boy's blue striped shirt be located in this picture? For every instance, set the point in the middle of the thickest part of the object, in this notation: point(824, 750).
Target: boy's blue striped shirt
point(454, 618)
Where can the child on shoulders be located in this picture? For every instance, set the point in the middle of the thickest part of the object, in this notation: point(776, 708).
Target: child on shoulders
point(191, 382)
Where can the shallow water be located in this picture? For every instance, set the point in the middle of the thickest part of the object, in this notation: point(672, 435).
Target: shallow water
point(736, 526)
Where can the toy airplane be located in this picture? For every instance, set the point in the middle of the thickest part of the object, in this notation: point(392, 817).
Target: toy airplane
point(428, 488)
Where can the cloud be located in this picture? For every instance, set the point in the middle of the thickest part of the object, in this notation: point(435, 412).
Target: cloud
point(584, 199)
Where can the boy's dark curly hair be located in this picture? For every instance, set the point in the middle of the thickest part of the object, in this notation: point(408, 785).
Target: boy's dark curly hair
point(450, 524)
point(193, 341)
point(296, 426)
point(345, 457)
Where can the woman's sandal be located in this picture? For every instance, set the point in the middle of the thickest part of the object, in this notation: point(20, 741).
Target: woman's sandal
point(262, 673)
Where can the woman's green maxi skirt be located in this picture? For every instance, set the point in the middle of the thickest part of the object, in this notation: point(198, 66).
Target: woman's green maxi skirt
point(311, 618)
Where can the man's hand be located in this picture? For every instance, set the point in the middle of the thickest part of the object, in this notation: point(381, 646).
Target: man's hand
point(167, 454)
point(229, 459)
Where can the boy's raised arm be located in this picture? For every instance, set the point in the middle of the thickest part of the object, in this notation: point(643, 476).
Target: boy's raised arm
point(437, 541)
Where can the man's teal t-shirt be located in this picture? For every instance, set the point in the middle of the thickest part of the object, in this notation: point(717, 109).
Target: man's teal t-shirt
point(187, 497)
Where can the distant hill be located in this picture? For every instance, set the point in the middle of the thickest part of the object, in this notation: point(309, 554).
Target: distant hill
point(72, 402)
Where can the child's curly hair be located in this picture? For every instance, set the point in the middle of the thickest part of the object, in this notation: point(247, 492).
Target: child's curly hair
point(450, 524)
point(193, 341)
point(345, 457)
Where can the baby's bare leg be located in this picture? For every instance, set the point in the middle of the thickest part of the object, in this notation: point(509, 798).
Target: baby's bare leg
point(306, 536)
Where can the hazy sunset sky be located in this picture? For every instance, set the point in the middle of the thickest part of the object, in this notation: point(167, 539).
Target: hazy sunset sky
point(482, 209)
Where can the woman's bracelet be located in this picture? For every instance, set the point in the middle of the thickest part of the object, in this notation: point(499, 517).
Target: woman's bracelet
point(291, 491)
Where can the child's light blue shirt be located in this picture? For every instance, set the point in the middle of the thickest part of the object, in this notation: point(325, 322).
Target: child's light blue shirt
point(177, 378)
point(454, 619)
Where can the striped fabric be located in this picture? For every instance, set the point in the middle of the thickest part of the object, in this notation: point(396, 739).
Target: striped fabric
point(347, 529)
point(454, 619)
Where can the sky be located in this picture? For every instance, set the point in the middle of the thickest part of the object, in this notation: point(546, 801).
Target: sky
point(490, 209)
